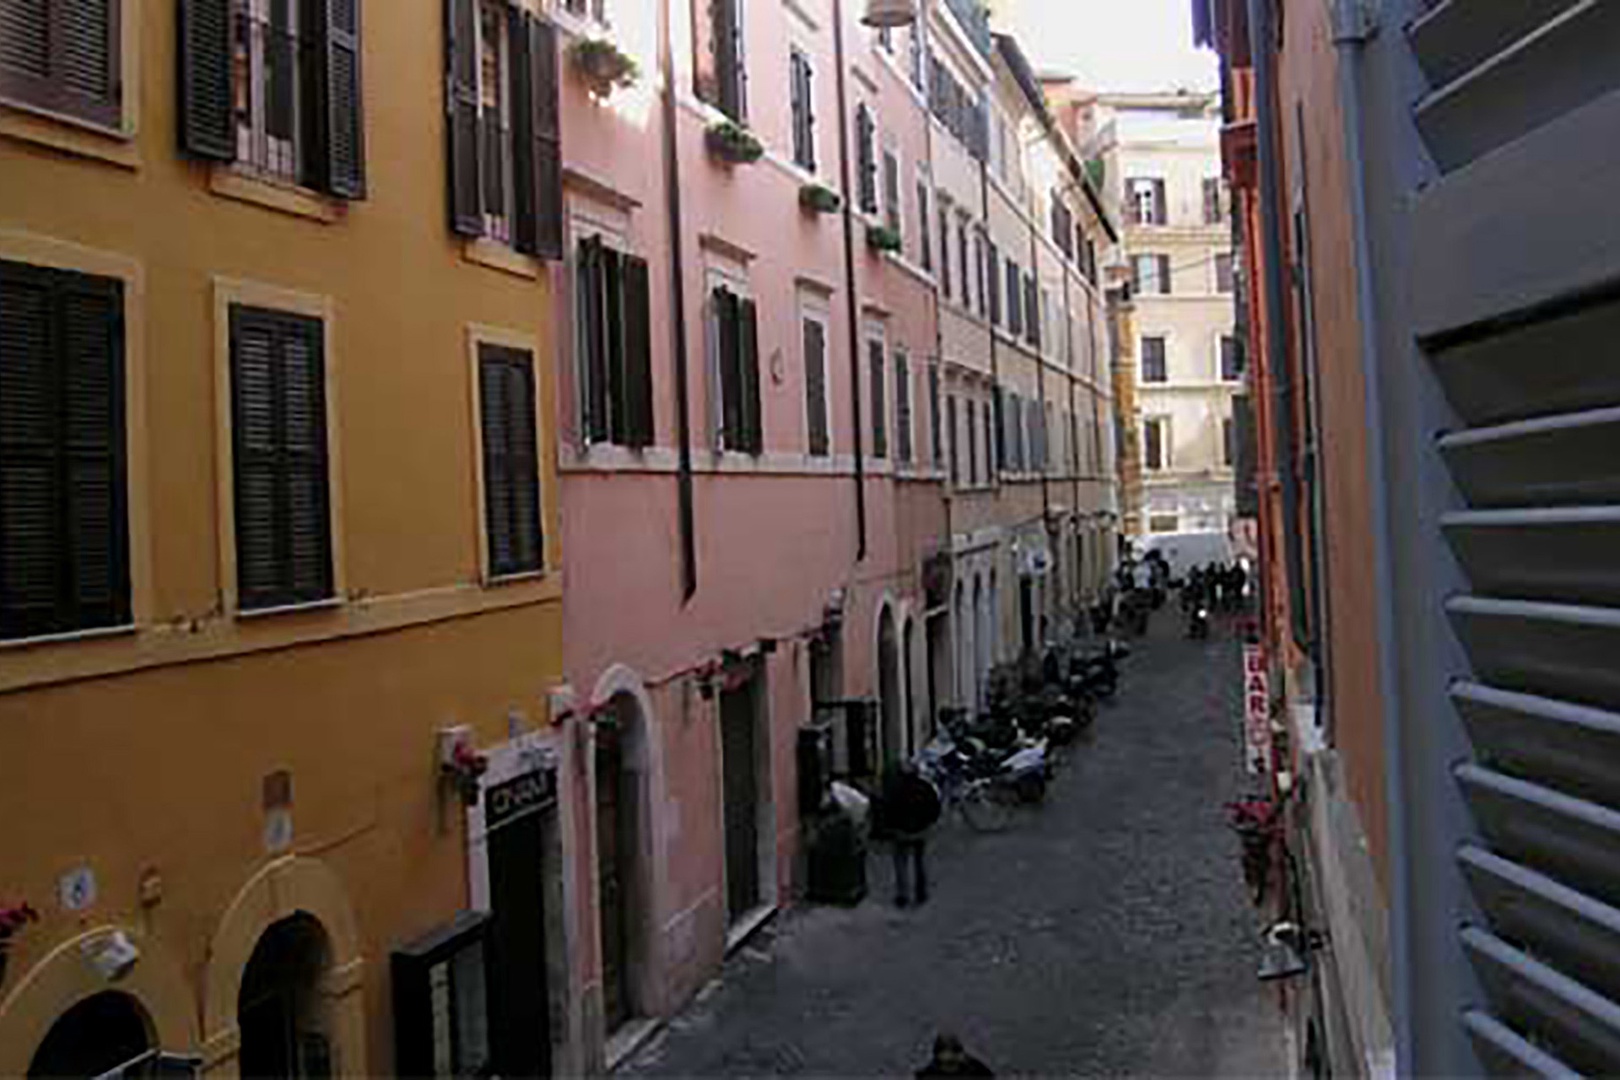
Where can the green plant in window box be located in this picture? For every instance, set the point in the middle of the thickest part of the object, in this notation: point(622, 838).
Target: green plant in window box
point(882, 238)
point(732, 143)
point(602, 66)
point(819, 199)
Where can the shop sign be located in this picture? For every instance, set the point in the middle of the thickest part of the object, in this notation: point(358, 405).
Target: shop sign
point(519, 797)
point(1256, 711)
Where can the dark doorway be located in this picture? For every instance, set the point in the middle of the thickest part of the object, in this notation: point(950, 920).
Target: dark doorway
point(939, 668)
point(1026, 612)
point(739, 754)
point(519, 1002)
point(889, 703)
point(95, 1036)
point(280, 1008)
point(908, 643)
point(618, 854)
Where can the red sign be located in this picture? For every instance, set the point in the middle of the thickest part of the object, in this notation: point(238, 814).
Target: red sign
point(1256, 711)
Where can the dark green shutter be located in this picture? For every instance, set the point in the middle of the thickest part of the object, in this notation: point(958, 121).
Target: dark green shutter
point(613, 340)
point(279, 459)
point(64, 562)
point(938, 445)
point(729, 351)
point(547, 178)
point(639, 429)
point(340, 151)
point(815, 386)
point(511, 461)
point(593, 368)
point(728, 58)
point(461, 117)
point(521, 75)
point(748, 370)
point(207, 120)
point(880, 422)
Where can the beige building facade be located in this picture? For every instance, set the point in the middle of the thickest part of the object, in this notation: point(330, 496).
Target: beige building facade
point(1157, 159)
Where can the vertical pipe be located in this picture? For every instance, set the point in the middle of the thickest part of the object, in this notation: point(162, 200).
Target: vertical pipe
point(851, 299)
point(677, 300)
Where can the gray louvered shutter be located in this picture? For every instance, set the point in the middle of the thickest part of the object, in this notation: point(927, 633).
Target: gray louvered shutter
point(207, 121)
point(1495, 224)
point(64, 562)
point(592, 343)
point(638, 385)
point(815, 387)
point(938, 445)
point(748, 372)
point(902, 408)
point(279, 459)
point(726, 43)
point(464, 187)
point(865, 161)
point(340, 150)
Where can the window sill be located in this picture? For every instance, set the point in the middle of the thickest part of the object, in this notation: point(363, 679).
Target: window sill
point(69, 637)
point(226, 181)
point(331, 603)
point(497, 256)
point(499, 581)
point(70, 136)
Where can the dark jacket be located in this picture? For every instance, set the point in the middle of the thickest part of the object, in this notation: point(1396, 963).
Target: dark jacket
point(909, 804)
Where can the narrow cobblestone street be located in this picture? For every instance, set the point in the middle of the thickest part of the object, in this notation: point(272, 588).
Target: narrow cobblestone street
point(1106, 933)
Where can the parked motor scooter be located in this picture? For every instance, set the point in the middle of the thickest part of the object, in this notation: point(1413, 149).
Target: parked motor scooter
point(1198, 622)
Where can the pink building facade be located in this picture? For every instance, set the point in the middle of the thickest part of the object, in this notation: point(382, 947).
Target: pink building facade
point(755, 446)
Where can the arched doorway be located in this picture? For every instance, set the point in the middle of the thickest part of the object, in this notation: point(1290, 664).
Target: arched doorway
point(281, 1009)
point(908, 654)
point(982, 635)
point(889, 703)
point(963, 682)
point(622, 800)
point(95, 1036)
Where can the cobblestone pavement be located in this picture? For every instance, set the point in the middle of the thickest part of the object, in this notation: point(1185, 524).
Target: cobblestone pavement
point(1105, 934)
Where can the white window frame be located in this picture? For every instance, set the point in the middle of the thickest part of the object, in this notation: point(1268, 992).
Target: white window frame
point(735, 278)
point(498, 227)
point(282, 159)
point(1166, 446)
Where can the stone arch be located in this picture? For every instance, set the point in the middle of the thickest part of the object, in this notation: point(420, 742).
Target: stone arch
point(643, 752)
point(61, 979)
point(288, 886)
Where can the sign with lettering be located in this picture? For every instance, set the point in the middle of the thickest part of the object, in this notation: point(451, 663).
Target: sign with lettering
point(519, 797)
point(1256, 711)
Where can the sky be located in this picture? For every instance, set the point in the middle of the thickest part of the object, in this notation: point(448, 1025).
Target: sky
point(1112, 44)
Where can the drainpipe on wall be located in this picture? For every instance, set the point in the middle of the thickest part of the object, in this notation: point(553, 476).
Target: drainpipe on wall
point(677, 298)
point(852, 301)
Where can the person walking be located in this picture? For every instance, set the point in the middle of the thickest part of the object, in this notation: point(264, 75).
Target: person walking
point(910, 807)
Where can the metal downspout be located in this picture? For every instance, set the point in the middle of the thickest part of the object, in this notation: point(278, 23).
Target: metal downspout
point(677, 289)
point(851, 299)
point(1352, 29)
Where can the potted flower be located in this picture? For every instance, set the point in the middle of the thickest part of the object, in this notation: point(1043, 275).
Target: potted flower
point(882, 238)
point(465, 766)
point(819, 199)
point(732, 143)
point(602, 66)
point(13, 917)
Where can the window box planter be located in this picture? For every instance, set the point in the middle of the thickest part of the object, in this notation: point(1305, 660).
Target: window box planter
point(819, 199)
point(733, 144)
point(882, 238)
point(602, 67)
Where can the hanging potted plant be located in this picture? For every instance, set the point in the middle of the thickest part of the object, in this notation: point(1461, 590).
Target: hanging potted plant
point(882, 238)
point(819, 199)
point(732, 143)
point(602, 66)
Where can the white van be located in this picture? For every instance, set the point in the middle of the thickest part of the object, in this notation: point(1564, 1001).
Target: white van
point(1184, 551)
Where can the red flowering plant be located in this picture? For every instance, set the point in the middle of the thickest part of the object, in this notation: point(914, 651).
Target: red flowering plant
point(1258, 823)
point(465, 766)
point(13, 917)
